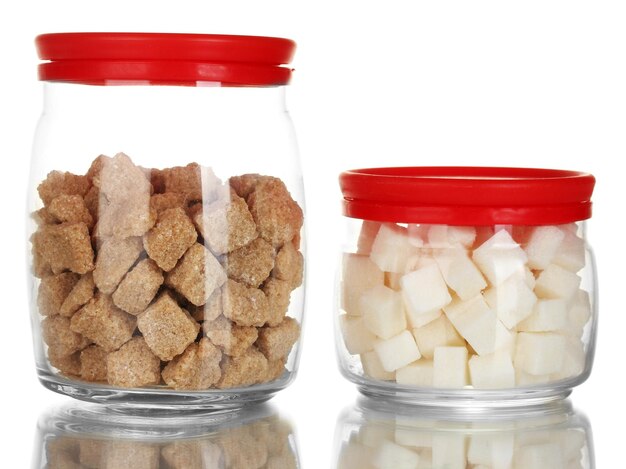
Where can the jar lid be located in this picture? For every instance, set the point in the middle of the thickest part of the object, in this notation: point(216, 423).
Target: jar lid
point(467, 195)
point(164, 59)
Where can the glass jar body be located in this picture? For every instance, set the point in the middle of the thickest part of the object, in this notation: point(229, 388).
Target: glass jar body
point(180, 251)
point(441, 314)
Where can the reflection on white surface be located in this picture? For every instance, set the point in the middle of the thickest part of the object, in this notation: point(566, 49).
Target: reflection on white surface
point(375, 435)
point(81, 436)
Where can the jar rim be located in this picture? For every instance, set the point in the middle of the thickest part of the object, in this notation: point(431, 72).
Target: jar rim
point(467, 195)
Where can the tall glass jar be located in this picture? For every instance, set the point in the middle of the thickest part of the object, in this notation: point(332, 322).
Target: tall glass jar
point(166, 219)
point(465, 285)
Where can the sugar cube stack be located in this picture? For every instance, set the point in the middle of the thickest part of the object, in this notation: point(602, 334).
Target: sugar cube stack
point(466, 307)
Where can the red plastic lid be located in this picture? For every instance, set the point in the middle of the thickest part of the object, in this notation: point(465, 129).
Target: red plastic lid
point(159, 58)
point(467, 195)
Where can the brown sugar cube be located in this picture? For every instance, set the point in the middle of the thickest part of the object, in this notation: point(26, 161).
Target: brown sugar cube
point(80, 294)
point(197, 275)
point(61, 454)
point(131, 454)
point(71, 209)
point(226, 227)
point(244, 370)
point(64, 247)
point(139, 287)
point(245, 184)
point(244, 305)
point(210, 310)
point(104, 323)
point(53, 290)
point(161, 202)
point(93, 363)
point(167, 328)
point(289, 265)
point(68, 365)
point(251, 264)
point(96, 166)
point(40, 266)
point(275, 369)
point(170, 238)
point(133, 365)
point(194, 181)
point(197, 368)
point(114, 259)
point(278, 294)
point(157, 179)
point(282, 461)
point(123, 219)
point(57, 333)
point(119, 179)
point(95, 203)
point(195, 454)
point(43, 217)
point(278, 217)
point(276, 342)
point(234, 340)
point(90, 451)
point(58, 183)
point(242, 449)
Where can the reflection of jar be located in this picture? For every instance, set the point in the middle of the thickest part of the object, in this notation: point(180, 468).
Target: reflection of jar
point(372, 434)
point(466, 284)
point(86, 436)
point(174, 264)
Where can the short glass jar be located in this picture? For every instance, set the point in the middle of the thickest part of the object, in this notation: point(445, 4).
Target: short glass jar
point(462, 284)
point(166, 219)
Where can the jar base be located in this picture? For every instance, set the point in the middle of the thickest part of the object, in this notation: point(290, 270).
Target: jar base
point(153, 400)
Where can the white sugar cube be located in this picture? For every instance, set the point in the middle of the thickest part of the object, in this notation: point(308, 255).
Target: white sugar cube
point(450, 367)
point(540, 456)
point(419, 373)
point(359, 274)
point(422, 259)
point(392, 248)
point(444, 236)
point(557, 282)
point(372, 433)
point(357, 338)
point(437, 333)
point(500, 257)
point(369, 230)
point(513, 301)
point(355, 456)
point(426, 459)
point(418, 234)
point(392, 280)
point(579, 313)
point(573, 441)
point(479, 325)
point(424, 291)
point(539, 353)
point(383, 311)
point(573, 361)
point(483, 233)
point(491, 450)
point(449, 450)
point(525, 379)
point(542, 245)
point(493, 371)
point(392, 456)
point(398, 351)
point(459, 272)
point(571, 252)
point(548, 315)
point(424, 319)
point(416, 434)
point(373, 368)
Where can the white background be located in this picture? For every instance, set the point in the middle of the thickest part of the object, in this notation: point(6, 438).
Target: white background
point(533, 83)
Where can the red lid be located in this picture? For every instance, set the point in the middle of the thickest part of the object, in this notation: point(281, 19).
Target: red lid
point(159, 58)
point(467, 195)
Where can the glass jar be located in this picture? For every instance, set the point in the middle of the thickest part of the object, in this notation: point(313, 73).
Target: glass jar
point(166, 219)
point(79, 436)
point(462, 284)
point(386, 435)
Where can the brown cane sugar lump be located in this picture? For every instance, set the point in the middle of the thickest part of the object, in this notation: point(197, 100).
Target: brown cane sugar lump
point(198, 367)
point(278, 217)
point(93, 363)
point(96, 167)
point(197, 275)
point(210, 310)
point(57, 333)
point(157, 179)
point(70, 208)
point(289, 265)
point(53, 290)
point(244, 305)
point(115, 258)
point(139, 287)
point(131, 217)
point(275, 369)
point(90, 451)
point(129, 454)
point(195, 454)
point(167, 328)
point(95, 202)
point(242, 449)
point(194, 181)
point(58, 183)
point(276, 342)
point(80, 294)
point(68, 365)
point(245, 184)
point(64, 247)
point(61, 453)
point(104, 323)
point(120, 180)
point(133, 365)
point(170, 238)
point(285, 460)
point(234, 340)
point(251, 264)
point(246, 369)
point(162, 202)
point(278, 296)
point(43, 217)
point(226, 227)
